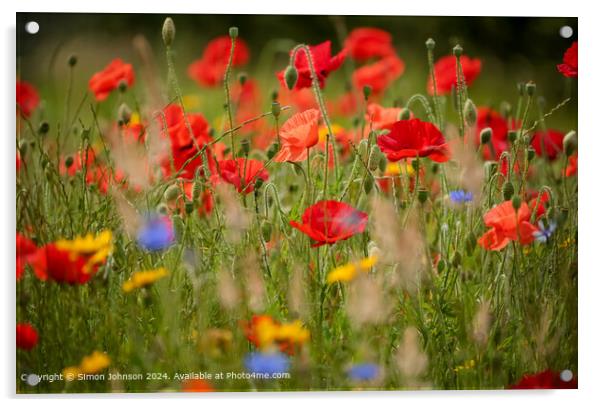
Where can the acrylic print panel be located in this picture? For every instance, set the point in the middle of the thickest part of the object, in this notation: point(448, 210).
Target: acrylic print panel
point(285, 203)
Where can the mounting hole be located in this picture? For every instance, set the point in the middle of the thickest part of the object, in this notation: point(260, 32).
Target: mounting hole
point(32, 27)
point(566, 31)
point(566, 375)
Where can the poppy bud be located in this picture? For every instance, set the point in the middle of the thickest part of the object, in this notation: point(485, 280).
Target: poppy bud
point(168, 32)
point(274, 95)
point(521, 88)
point(367, 91)
point(507, 190)
point(441, 265)
point(368, 184)
point(382, 164)
point(374, 158)
point(245, 146)
point(416, 165)
point(258, 184)
point(405, 114)
point(276, 109)
point(470, 112)
point(123, 86)
point(471, 243)
point(290, 77)
point(430, 44)
point(456, 259)
point(171, 193)
point(486, 135)
point(44, 128)
point(569, 143)
point(162, 209)
point(506, 110)
point(530, 153)
point(72, 61)
point(68, 162)
point(530, 88)
point(266, 231)
point(435, 168)
point(233, 31)
point(124, 114)
point(423, 195)
point(189, 207)
point(512, 136)
point(274, 148)
point(458, 50)
point(516, 201)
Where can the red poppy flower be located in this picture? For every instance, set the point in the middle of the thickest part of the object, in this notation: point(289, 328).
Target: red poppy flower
point(324, 64)
point(209, 70)
point(183, 146)
point(378, 75)
point(382, 117)
point(414, 138)
point(27, 98)
point(247, 99)
point(569, 62)
point(571, 168)
point(26, 251)
point(541, 208)
point(366, 42)
point(197, 386)
point(487, 117)
point(548, 379)
point(61, 266)
point(27, 336)
point(297, 135)
point(552, 143)
point(104, 82)
point(233, 171)
point(327, 222)
point(507, 224)
point(445, 73)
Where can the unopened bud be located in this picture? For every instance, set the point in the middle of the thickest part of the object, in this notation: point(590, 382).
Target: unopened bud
point(162, 209)
point(123, 86)
point(72, 61)
point(168, 31)
point(242, 78)
point(530, 153)
point(530, 88)
point(507, 190)
point(458, 50)
point(512, 135)
point(68, 162)
point(569, 143)
point(274, 148)
point(405, 114)
point(276, 109)
point(189, 207)
point(290, 77)
point(368, 184)
point(430, 44)
point(44, 128)
point(374, 158)
point(470, 112)
point(485, 135)
point(266, 231)
point(233, 31)
point(245, 146)
point(258, 184)
point(423, 195)
point(171, 193)
point(367, 91)
point(382, 163)
point(516, 202)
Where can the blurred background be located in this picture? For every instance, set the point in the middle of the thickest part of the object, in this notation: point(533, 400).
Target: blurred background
point(512, 49)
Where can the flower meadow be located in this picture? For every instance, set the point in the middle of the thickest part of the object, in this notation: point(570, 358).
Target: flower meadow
point(280, 236)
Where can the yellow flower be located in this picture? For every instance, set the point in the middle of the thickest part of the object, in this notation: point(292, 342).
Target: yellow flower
point(469, 364)
point(293, 332)
point(143, 278)
point(396, 169)
point(135, 118)
point(216, 342)
point(347, 272)
point(90, 364)
point(96, 248)
point(323, 131)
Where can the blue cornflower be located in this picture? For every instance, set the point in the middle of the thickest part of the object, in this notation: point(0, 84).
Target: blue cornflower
point(266, 363)
point(363, 372)
point(460, 196)
point(156, 233)
point(544, 233)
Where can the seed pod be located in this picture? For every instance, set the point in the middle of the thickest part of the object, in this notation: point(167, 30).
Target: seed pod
point(423, 195)
point(530, 88)
point(44, 128)
point(507, 190)
point(266, 231)
point(430, 44)
point(458, 50)
point(368, 184)
point(512, 136)
point(470, 112)
point(530, 153)
point(168, 32)
point(405, 114)
point(569, 143)
point(457, 259)
point(72, 61)
point(516, 202)
point(486, 135)
point(471, 243)
point(367, 91)
point(276, 108)
point(290, 77)
point(233, 31)
point(172, 192)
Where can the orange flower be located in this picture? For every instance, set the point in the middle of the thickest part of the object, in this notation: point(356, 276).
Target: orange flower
point(382, 117)
point(297, 135)
point(379, 75)
point(197, 386)
point(506, 225)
